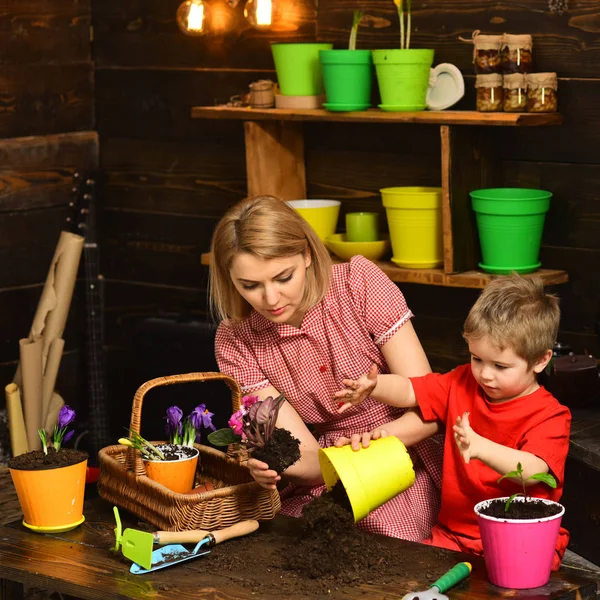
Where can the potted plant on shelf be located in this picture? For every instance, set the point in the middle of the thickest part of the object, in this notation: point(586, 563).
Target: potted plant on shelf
point(50, 483)
point(403, 74)
point(253, 429)
point(519, 534)
point(174, 464)
point(348, 74)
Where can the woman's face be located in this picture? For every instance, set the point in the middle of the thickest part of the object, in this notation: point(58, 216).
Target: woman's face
point(273, 287)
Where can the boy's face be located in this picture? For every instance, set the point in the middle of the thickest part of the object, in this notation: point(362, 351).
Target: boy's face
point(501, 373)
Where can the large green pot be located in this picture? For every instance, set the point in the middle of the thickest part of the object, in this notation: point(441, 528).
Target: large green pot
point(298, 68)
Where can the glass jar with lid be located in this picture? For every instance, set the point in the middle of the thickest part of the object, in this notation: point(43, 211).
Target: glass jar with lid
point(541, 92)
point(515, 92)
point(517, 53)
point(486, 53)
point(490, 93)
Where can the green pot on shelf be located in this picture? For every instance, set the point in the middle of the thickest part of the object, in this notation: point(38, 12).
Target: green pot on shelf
point(298, 68)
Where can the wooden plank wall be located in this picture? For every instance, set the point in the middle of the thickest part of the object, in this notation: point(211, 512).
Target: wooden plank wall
point(46, 112)
point(170, 177)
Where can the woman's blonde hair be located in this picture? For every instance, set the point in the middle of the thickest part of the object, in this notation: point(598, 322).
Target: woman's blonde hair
point(267, 228)
point(516, 313)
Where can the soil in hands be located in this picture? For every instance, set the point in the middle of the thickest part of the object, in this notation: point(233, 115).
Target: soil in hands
point(532, 508)
point(38, 461)
point(321, 553)
point(280, 452)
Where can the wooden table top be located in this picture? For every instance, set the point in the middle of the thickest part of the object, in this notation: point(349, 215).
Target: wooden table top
point(79, 563)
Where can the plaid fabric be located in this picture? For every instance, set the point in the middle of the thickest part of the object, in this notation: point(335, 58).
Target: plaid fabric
point(340, 338)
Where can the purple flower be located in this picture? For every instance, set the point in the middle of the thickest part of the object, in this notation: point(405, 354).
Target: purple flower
point(65, 416)
point(68, 436)
point(201, 417)
point(174, 416)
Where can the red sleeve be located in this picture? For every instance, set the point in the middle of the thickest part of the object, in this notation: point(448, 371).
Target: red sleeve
point(236, 359)
point(550, 439)
point(433, 393)
point(377, 298)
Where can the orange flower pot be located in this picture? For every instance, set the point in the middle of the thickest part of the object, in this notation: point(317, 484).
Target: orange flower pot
point(51, 499)
point(176, 475)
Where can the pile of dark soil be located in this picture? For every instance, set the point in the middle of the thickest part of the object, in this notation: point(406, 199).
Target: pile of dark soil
point(37, 460)
point(280, 452)
point(320, 553)
point(532, 508)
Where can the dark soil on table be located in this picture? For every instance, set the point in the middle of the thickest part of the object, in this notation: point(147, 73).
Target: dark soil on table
point(38, 461)
point(322, 552)
point(531, 509)
point(280, 452)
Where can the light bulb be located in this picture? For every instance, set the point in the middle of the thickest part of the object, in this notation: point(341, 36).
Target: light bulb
point(259, 13)
point(192, 16)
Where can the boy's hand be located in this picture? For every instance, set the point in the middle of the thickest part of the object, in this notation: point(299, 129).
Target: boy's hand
point(466, 439)
point(357, 390)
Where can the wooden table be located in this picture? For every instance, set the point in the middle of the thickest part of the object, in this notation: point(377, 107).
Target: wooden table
point(78, 563)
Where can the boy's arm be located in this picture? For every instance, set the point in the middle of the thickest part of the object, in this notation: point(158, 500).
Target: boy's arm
point(496, 456)
point(394, 390)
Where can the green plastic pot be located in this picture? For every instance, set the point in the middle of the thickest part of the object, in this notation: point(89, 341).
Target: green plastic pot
point(510, 222)
point(403, 78)
point(348, 78)
point(298, 68)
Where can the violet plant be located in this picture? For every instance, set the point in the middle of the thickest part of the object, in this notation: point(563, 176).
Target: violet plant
point(518, 474)
point(252, 425)
point(60, 435)
point(186, 432)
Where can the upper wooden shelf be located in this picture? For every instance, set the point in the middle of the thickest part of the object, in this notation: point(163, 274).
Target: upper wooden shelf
point(446, 117)
point(466, 279)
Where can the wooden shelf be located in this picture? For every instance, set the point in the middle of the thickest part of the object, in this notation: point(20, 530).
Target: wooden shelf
point(466, 279)
point(374, 115)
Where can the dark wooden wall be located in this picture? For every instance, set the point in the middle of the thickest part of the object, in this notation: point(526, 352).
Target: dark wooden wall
point(46, 118)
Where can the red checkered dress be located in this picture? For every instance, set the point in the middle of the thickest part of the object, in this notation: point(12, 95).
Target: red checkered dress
point(340, 338)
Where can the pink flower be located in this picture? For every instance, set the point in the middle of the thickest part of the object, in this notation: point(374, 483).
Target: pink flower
point(248, 401)
point(236, 422)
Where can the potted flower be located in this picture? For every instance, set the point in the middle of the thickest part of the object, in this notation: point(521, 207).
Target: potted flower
point(403, 74)
point(519, 534)
point(174, 464)
point(252, 428)
point(50, 483)
point(348, 74)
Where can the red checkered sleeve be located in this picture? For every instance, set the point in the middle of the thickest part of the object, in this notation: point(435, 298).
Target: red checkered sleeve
point(236, 359)
point(378, 300)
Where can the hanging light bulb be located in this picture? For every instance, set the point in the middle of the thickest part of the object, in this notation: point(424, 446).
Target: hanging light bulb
point(192, 16)
point(259, 13)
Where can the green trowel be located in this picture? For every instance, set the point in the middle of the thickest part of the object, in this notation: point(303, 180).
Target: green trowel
point(138, 546)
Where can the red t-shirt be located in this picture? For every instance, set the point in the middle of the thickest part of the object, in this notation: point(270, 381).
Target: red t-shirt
point(536, 423)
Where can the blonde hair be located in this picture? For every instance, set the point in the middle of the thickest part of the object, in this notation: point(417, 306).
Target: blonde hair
point(516, 313)
point(267, 228)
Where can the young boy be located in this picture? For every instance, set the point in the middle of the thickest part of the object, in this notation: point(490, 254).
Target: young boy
point(493, 408)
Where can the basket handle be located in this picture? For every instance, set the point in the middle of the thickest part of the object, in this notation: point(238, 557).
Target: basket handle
point(134, 459)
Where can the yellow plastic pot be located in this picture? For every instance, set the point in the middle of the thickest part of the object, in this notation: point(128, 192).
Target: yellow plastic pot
point(176, 475)
point(321, 215)
point(414, 217)
point(51, 499)
point(371, 476)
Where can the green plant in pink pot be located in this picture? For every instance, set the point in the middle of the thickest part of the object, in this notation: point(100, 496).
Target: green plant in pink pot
point(403, 74)
point(348, 74)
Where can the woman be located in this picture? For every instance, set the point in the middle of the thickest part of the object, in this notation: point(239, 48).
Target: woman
point(292, 323)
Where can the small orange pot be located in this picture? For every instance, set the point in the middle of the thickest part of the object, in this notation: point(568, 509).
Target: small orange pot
point(51, 499)
point(177, 475)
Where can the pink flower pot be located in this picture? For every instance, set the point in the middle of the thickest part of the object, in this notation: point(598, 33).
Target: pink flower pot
point(518, 552)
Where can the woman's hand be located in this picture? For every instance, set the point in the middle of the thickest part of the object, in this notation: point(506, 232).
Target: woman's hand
point(357, 390)
point(359, 440)
point(262, 474)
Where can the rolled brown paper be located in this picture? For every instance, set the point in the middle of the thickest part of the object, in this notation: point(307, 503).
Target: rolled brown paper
point(16, 424)
point(51, 372)
point(31, 388)
point(56, 403)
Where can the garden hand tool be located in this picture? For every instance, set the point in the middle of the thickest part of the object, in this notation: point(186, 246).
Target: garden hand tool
point(455, 575)
point(175, 553)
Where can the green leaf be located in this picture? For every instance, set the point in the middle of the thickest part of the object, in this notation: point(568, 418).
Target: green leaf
point(516, 474)
point(224, 437)
point(545, 478)
point(508, 502)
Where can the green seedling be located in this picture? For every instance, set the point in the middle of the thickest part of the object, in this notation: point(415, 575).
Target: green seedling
point(358, 14)
point(518, 474)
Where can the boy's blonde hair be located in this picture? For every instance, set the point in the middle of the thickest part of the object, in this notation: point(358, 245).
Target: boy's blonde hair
point(268, 228)
point(516, 313)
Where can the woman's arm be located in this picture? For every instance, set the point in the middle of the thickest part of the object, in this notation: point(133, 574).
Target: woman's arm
point(306, 471)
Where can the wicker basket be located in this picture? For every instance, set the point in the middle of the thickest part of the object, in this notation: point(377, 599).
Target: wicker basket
point(235, 497)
